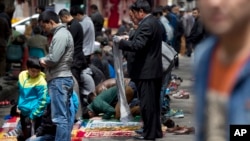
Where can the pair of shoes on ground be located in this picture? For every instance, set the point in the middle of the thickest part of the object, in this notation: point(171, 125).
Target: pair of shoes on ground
point(174, 113)
point(181, 95)
point(173, 85)
point(5, 103)
point(178, 130)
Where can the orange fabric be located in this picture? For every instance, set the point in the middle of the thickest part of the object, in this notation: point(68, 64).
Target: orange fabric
point(222, 77)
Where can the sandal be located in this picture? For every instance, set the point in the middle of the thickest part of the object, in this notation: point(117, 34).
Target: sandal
point(181, 95)
point(174, 129)
point(185, 131)
point(173, 84)
point(5, 103)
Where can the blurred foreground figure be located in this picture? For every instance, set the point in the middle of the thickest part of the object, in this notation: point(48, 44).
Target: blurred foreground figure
point(223, 68)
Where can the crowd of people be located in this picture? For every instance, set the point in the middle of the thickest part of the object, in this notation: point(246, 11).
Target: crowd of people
point(76, 76)
point(78, 60)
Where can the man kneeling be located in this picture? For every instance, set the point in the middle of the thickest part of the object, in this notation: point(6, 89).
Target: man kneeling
point(107, 103)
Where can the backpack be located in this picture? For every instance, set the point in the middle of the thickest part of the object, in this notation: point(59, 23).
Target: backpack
point(14, 53)
point(168, 57)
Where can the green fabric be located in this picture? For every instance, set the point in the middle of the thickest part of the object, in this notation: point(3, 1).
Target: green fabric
point(102, 103)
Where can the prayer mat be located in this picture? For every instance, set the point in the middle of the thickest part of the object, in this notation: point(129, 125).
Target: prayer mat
point(97, 127)
point(9, 124)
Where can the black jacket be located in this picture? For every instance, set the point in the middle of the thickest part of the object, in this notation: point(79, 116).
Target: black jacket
point(77, 33)
point(7, 18)
point(129, 56)
point(98, 22)
point(146, 44)
point(5, 32)
point(197, 33)
point(98, 75)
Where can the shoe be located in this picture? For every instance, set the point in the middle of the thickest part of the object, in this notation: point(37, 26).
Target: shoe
point(168, 122)
point(179, 114)
point(172, 130)
point(170, 113)
point(174, 113)
point(142, 138)
point(184, 131)
point(139, 131)
point(173, 85)
point(181, 95)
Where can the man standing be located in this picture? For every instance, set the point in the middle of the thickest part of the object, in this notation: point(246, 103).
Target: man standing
point(97, 19)
point(222, 76)
point(4, 37)
point(58, 72)
point(5, 15)
point(77, 33)
point(79, 61)
point(188, 21)
point(5, 28)
point(146, 44)
point(88, 31)
point(175, 22)
point(197, 32)
point(38, 40)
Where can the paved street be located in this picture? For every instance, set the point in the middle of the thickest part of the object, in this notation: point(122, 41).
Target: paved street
point(184, 71)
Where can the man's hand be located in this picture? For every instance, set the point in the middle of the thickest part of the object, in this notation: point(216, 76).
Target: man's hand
point(117, 39)
point(125, 37)
point(43, 64)
point(17, 110)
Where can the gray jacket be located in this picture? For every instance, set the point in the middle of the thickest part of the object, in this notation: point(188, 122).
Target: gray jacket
point(87, 84)
point(89, 35)
point(60, 56)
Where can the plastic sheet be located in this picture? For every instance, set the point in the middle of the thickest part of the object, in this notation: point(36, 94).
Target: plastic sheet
point(124, 108)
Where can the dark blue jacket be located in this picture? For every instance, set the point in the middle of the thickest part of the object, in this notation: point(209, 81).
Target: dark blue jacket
point(238, 109)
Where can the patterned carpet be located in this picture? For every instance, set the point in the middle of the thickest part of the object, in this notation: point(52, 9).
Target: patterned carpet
point(92, 128)
point(96, 127)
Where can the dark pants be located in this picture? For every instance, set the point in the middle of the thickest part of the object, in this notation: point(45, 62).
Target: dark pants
point(79, 64)
point(2, 60)
point(88, 59)
point(84, 102)
point(189, 49)
point(76, 73)
point(26, 126)
point(176, 62)
point(149, 95)
point(177, 47)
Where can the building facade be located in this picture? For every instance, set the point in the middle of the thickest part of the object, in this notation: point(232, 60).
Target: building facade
point(114, 11)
